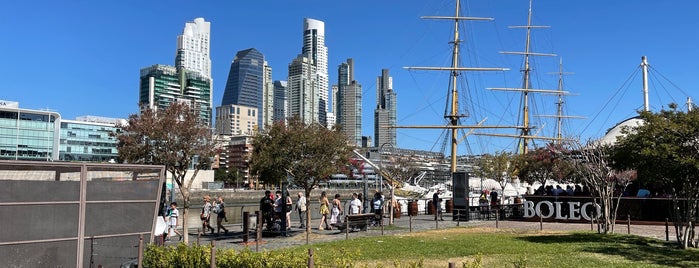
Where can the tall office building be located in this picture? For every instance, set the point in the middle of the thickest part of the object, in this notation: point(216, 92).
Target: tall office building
point(302, 91)
point(385, 112)
point(162, 85)
point(315, 49)
point(280, 101)
point(245, 81)
point(267, 112)
point(193, 47)
point(349, 102)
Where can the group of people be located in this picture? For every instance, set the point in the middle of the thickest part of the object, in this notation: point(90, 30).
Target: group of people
point(273, 208)
point(217, 207)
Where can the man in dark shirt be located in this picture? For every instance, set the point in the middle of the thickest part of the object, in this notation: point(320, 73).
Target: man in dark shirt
point(493, 198)
point(267, 208)
point(437, 206)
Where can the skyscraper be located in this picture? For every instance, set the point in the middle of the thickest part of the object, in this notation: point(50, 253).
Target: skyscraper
point(267, 112)
point(385, 112)
point(193, 47)
point(349, 102)
point(245, 81)
point(280, 101)
point(162, 85)
point(302, 91)
point(315, 49)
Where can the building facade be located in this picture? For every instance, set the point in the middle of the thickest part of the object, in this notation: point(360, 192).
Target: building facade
point(193, 47)
point(28, 134)
point(90, 139)
point(236, 120)
point(349, 103)
point(280, 101)
point(162, 85)
point(267, 97)
point(385, 112)
point(302, 91)
point(314, 48)
point(245, 81)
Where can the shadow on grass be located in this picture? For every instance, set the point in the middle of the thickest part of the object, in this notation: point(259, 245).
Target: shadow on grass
point(635, 248)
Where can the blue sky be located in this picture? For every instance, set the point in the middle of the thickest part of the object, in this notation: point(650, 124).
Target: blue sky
point(83, 57)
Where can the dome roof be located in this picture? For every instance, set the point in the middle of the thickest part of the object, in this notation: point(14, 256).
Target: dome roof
point(610, 137)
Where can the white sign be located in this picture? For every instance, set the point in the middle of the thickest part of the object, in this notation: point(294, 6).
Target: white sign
point(9, 104)
point(575, 210)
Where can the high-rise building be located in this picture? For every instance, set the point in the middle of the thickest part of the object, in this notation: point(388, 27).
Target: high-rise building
point(193, 47)
point(245, 81)
point(267, 112)
point(162, 85)
point(349, 102)
point(315, 49)
point(302, 91)
point(385, 112)
point(236, 120)
point(280, 101)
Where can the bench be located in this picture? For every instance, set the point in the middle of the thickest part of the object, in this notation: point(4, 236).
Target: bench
point(355, 221)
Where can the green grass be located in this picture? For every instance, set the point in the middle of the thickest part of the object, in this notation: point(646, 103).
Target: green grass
point(506, 248)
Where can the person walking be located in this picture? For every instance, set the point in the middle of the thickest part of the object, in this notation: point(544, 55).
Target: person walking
point(301, 209)
point(289, 203)
point(206, 215)
point(172, 221)
point(436, 201)
point(324, 211)
point(336, 210)
point(220, 209)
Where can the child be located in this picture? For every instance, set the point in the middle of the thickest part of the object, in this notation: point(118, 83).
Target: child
point(172, 223)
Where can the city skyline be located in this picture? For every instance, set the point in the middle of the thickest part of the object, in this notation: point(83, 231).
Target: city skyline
point(92, 41)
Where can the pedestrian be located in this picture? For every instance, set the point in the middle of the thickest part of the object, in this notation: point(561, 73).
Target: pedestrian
point(436, 202)
point(494, 198)
point(301, 209)
point(377, 207)
point(267, 208)
point(278, 203)
point(289, 203)
point(220, 209)
point(206, 215)
point(336, 210)
point(324, 211)
point(172, 221)
point(355, 204)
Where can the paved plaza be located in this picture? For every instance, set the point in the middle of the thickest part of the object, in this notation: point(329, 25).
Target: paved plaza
point(296, 236)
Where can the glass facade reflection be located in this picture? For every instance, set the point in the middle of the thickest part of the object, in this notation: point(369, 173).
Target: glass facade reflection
point(86, 139)
point(28, 134)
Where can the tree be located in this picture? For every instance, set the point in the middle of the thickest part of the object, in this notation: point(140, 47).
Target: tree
point(665, 151)
point(542, 164)
point(402, 169)
point(307, 154)
point(172, 137)
point(499, 167)
point(592, 167)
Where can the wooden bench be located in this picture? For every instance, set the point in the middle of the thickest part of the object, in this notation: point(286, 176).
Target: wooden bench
point(356, 221)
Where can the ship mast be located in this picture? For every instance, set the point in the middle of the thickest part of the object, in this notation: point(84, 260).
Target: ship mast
point(559, 105)
point(525, 136)
point(454, 117)
point(644, 67)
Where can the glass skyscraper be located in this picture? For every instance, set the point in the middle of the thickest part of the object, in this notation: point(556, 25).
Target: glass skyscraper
point(245, 82)
point(162, 85)
point(314, 48)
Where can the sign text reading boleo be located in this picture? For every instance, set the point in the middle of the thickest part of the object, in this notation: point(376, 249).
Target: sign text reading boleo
point(562, 210)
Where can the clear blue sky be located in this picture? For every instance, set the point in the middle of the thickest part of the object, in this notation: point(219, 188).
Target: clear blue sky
point(83, 57)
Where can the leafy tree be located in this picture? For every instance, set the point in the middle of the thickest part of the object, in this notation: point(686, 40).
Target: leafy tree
point(308, 154)
point(172, 137)
point(542, 164)
point(500, 167)
point(665, 151)
point(592, 167)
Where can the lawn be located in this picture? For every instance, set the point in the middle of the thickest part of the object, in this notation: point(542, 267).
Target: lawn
point(485, 247)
